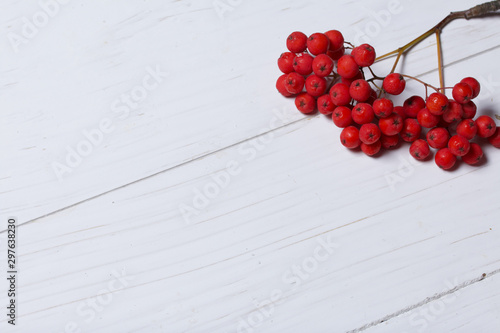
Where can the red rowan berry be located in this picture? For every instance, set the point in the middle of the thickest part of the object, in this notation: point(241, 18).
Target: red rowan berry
point(412, 105)
point(486, 126)
point(360, 90)
point(462, 93)
point(437, 103)
point(362, 113)
point(347, 67)
point(389, 141)
point(336, 39)
point(411, 130)
point(371, 149)
point(394, 84)
point(285, 62)
point(458, 145)
point(438, 137)
point(391, 125)
point(296, 42)
point(420, 150)
point(305, 103)
point(467, 128)
point(369, 133)
point(350, 137)
point(339, 94)
point(474, 84)
point(302, 63)
point(383, 107)
point(322, 65)
point(427, 119)
point(474, 155)
point(315, 85)
point(341, 116)
point(445, 159)
point(318, 43)
point(280, 85)
point(294, 83)
point(325, 105)
point(364, 55)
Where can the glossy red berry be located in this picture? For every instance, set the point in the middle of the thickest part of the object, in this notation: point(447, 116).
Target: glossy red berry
point(280, 85)
point(411, 130)
point(420, 150)
point(462, 93)
point(427, 119)
point(383, 107)
point(360, 90)
point(394, 84)
point(350, 137)
point(325, 105)
point(336, 40)
point(371, 149)
point(318, 43)
point(294, 83)
point(341, 116)
point(458, 145)
point(347, 67)
point(285, 62)
point(315, 85)
point(339, 94)
point(438, 137)
point(296, 42)
point(389, 141)
point(454, 112)
point(322, 65)
point(486, 126)
point(467, 128)
point(469, 110)
point(413, 105)
point(401, 111)
point(369, 133)
point(495, 138)
point(364, 55)
point(437, 103)
point(474, 155)
point(302, 63)
point(336, 55)
point(362, 113)
point(474, 84)
point(305, 103)
point(445, 159)
point(391, 125)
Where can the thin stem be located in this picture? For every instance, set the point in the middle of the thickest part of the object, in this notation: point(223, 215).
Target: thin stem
point(418, 80)
point(440, 59)
point(477, 11)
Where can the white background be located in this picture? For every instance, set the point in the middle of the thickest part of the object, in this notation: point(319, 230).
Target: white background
point(105, 247)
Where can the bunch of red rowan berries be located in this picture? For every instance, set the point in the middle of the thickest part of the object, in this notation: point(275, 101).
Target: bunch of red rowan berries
point(321, 74)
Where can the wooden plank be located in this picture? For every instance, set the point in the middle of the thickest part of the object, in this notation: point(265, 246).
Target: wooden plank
point(208, 101)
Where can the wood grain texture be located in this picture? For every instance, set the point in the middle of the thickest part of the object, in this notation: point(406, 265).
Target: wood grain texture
point(128, 243)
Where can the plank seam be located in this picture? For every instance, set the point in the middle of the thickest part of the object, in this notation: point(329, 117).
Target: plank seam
point(410, 308)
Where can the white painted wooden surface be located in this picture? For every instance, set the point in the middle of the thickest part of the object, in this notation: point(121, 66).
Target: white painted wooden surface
point(283, 195)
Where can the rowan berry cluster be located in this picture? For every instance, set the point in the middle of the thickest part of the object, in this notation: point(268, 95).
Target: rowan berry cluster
point(326, 74)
